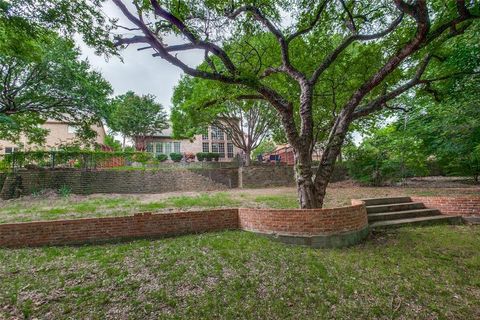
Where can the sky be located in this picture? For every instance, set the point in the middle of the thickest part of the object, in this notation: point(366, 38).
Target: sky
point(139, 71)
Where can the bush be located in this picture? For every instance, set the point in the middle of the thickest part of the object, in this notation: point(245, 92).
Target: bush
point(215, 156)
point(162, 157)
point(201, 156)
point(176, 157)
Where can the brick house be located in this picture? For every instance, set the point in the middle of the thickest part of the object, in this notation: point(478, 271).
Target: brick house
point(60, 133)
point(214, 140)
point(287, 155)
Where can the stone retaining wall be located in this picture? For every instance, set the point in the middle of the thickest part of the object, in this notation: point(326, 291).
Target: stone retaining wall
point(464, 206)
point(334, 227)
point(112, 181)
point(149, 181)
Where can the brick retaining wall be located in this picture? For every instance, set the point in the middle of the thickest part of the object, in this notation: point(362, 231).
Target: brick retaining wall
point(145, 225)
point(306, 222)
point(316, 227)
point(464, 206)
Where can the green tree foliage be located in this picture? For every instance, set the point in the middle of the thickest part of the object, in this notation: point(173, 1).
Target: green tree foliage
point(325, 68)
point(112, 143)
point(388, 155)
point(265, 147)
point(137, 117)
point(42, 77)
point(442, 131)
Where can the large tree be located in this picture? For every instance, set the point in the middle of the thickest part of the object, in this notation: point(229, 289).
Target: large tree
point(406, 34)
point(42, 77)
point(137, 117)
point(395, 41)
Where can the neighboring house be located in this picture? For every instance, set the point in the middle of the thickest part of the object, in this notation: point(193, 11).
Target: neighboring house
point(287, 155)
point(60, 133)
point(215, 140)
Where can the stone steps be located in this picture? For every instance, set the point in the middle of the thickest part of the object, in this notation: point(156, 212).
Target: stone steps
point(393, 207)
point(380, 201)
point(407, 214)
point(401, 211)
point(417, 221)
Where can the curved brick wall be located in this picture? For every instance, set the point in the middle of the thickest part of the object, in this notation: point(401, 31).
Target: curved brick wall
point(334, 227)
point(465, 206)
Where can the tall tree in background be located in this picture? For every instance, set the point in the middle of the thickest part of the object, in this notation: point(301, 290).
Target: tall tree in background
point(42, 77)
point(247, 123)
point(137, 117)
point(384, 47)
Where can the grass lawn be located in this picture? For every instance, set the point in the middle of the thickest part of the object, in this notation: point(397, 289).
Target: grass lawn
point(52, 206)
point(431, 272)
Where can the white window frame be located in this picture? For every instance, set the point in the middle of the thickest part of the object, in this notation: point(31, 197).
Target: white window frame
point(176, 146)
point(230, 150)
point(207, 144)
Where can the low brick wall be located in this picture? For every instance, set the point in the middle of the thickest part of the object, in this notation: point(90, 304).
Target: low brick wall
point(316, 227)
point(464, 206)
point(304, 222)
point(145, 225)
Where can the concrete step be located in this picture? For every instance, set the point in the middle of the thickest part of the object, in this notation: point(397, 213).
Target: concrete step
point(417, 221)
point(379, 201)
point(395, 207)
point(406, 214)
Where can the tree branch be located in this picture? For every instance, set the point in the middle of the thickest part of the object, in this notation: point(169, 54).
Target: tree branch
point(312, 23)
point(349, 40)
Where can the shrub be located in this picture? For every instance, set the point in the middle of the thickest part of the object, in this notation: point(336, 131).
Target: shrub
point(201, 156)
point(176, 157)
point(215, 156)
point(209, 156)
point(162, 157)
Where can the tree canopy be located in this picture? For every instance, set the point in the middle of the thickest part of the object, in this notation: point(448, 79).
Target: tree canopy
point(43, 77)
point(137, 117)
point(323, 68)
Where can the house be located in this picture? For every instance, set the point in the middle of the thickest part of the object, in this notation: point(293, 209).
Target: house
point(214, 140)
point(286, 155)
point(60, 133)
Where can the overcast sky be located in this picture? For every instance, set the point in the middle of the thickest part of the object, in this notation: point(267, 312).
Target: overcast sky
point(139, 71)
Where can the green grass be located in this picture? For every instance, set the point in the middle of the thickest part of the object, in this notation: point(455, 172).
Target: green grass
point(408, 273)
point(105, 206)
point(278, 202)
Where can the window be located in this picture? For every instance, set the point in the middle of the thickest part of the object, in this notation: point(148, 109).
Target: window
point(217, 133)
point(205, 135)
point(229, 135)
point(176, 147)
point(167, 147)
point(8, 150)
point(205, 147)
point(230, 150)
point(158, 148)
point(221, 149)
point(150, 147)
point(71, 129)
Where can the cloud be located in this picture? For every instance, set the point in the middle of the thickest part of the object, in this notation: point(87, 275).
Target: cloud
point(139, 71)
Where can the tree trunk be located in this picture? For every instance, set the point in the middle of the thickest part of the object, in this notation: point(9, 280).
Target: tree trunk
point(327, 163)
point(248, 154)
point(307, 193)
